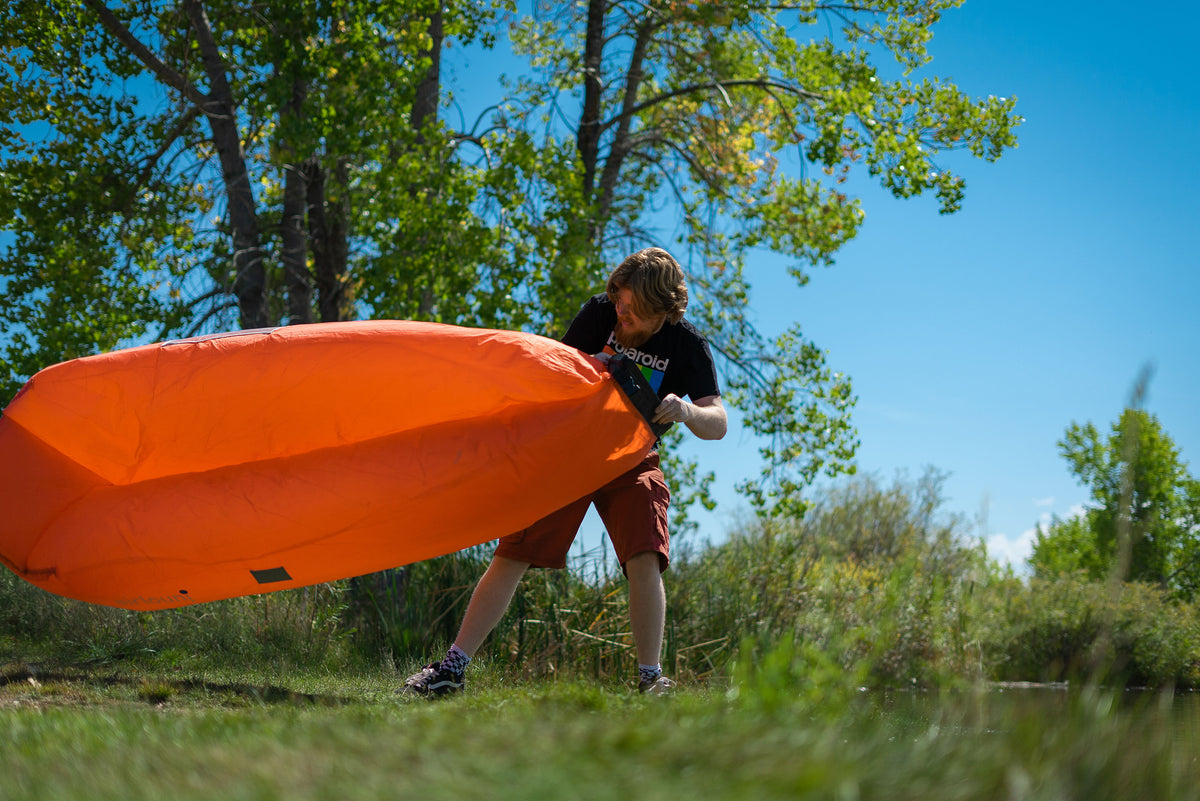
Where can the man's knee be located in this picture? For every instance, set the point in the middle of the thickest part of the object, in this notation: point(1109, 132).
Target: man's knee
point(645, 561)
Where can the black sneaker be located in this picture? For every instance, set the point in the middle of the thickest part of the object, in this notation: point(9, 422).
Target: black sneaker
point(433, 680)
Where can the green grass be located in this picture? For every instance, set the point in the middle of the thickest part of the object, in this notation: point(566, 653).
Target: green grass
point(132, 733)
point(772, 634)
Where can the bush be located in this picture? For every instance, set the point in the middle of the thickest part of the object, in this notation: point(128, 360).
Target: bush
point(573, 621)
point(1073, 628)
point(408, 612)
point(873, 573)
point(301, 626)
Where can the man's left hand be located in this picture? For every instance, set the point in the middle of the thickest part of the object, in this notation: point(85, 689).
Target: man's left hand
point(705, 417)
point(673, 409)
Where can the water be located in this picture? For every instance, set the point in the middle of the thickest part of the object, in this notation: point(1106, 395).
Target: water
point(996, 708)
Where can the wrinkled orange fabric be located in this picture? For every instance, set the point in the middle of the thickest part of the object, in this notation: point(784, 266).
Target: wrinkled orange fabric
point(209, 468)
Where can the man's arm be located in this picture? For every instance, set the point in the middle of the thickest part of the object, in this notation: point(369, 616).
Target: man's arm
point(705, 417)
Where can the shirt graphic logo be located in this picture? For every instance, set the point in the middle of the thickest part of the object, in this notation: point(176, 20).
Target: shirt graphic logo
point(652, 367)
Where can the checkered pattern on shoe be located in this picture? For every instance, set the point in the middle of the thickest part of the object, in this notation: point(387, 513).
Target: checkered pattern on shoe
point(433, 680)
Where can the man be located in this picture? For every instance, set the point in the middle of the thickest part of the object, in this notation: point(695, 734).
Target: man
point(641, 316)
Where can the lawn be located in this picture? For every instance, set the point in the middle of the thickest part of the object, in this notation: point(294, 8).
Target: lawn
point(122, 732)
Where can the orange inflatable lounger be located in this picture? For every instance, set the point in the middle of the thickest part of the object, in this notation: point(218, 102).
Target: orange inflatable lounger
point(241, 463)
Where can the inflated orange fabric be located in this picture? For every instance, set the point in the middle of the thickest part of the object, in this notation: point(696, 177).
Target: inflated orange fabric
point(209, 468)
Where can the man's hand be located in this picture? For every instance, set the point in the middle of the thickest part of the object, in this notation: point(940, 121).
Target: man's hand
point(705, 418)
point(673, 409)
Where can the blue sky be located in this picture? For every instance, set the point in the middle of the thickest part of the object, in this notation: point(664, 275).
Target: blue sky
point(975, 339)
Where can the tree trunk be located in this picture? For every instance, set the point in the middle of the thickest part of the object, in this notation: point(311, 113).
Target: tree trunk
point(621, 138)
point(294, 250)
point(294, 246)
point(588, 136)
point(250, 275)
point(424, 114)
point(327, 234)
point(429, 90)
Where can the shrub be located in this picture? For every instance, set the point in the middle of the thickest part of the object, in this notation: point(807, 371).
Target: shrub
point(1075, 628)
point(407, 612)
point(293, 626)
point(870, 572)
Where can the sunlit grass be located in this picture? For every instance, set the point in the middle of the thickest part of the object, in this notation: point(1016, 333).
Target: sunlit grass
point(142, 735)
point(774, 635)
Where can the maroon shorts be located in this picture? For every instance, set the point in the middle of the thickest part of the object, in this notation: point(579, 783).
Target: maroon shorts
point(633, 507)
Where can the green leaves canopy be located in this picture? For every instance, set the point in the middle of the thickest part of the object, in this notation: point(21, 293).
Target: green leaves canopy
point(177, 167)
point(731, 128)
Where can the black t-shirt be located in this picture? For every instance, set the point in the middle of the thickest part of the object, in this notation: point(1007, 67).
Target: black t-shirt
point(675, 360)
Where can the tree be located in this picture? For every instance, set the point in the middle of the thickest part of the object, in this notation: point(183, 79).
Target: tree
point(236, 162)
point(175, 167)
point(1067, 546)
point(93, 236)
point(691, 112)
point(1144, 517)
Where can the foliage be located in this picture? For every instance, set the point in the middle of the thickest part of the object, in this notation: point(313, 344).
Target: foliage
point(790, 674)
point(412, 611)
point(95, 238)
point(1139, 486)
point(228, 163)
point(1066, 547)
point(1072, 628)
point(302, 626)
point(876, 584)
point(714, 117)
point(874, 575)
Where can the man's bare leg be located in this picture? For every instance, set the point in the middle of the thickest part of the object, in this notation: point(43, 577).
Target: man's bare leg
point(489, 602)
point(647, 606)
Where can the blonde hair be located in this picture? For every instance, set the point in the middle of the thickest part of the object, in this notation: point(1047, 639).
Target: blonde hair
point(656, 280)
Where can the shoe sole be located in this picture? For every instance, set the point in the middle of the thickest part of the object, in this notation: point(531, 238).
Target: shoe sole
point(444, 687)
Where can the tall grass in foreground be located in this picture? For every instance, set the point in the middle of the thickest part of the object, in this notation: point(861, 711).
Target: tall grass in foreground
point(877, 579)
point(299, 627)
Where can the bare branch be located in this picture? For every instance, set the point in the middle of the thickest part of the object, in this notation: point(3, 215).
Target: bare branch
point(177, 130)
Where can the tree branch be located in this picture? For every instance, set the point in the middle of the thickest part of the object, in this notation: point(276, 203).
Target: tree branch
point(177, 130)
point(620, 144)
point(166, 74)
point(765, 84)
